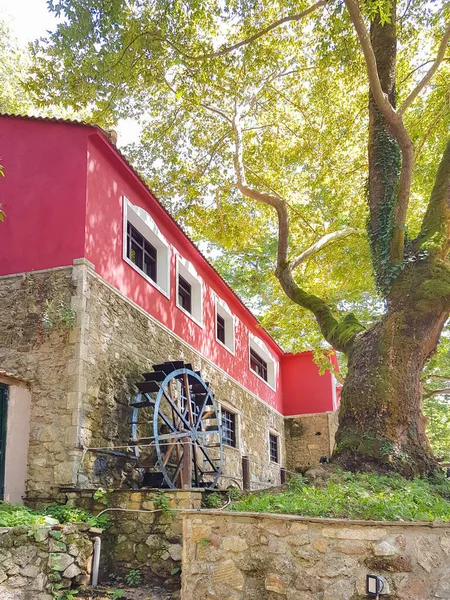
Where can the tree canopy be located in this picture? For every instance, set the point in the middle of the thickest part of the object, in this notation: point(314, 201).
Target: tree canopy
point(295, 74)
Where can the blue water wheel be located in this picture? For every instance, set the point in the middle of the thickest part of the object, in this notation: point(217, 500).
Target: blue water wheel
point(175, 409)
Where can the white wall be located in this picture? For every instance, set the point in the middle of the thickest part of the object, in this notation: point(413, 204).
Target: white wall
point(17, 437)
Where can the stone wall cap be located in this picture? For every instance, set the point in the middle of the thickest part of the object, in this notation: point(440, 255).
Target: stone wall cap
point(323, 520)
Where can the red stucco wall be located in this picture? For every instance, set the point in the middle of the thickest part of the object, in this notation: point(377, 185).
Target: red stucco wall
point(43, 194)
point(305, 391)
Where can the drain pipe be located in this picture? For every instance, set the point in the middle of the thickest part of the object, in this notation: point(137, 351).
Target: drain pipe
point(96, 560)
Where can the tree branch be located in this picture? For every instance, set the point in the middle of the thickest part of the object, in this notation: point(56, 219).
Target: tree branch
point(339, 334)
point(327, 239)
point(396, 126)
point(430, 393)
point(258, 34)
point(435, 231)
point(425, 80)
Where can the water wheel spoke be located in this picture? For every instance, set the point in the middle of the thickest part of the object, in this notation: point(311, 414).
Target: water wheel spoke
point(206, 455)
point(200, 414)
point(175, 408)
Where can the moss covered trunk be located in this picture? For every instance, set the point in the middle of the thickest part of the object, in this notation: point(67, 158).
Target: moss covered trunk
point(381, 425)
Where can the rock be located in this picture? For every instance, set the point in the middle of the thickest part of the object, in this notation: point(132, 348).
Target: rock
point(276, 583)
point(342, 589)
point(175, 551)
point(315, 473)
point(30, 571)
point(41, 534)
point(383, 548)
point(38, 583)
point(59, 562)
point(73, 550)
point(72, 571)
point(234, 543)
point(17, 581)
point(228, 573)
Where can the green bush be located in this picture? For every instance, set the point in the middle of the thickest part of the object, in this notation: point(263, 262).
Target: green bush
point(69, 514)
point(12, 515)
point(214, 500)
point(357, 496)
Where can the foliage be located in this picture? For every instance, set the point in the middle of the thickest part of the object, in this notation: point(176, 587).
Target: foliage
point(101, 495)
point(117, 594)
point(213, 500)
point(12, 515)
point(69, 514)
point(162, 502)
point(357, 496)
point(57, 312)
point(61, 594)
point(133, 578)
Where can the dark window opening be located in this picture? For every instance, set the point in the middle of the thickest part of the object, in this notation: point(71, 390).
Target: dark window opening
point(273, 443)
point(141, 252)
point(229, 428)
point(258, 364)
point(184, 294)
point(220, 329)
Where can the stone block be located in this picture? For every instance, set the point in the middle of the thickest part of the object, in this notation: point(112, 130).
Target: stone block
point(228, 573)
point(276, 583)
point(59, 562)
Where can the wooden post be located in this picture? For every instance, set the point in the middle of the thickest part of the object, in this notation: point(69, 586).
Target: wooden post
point(186, 471)
point(282, 476)
point(246, 472)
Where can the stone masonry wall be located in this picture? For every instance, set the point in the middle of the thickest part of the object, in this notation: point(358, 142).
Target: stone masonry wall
point(120, 342)
point(35, 561)
point(37, 347)
point(148, 541)
point(308, 438)
point(272, 557)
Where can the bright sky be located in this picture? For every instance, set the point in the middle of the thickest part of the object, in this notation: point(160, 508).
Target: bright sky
point(29, 20)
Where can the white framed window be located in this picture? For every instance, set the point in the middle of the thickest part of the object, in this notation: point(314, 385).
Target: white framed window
point(189, 291)
point(261, 362)
point(230, 420)
point(274, 447)
point(145, 249)
point(224, 324)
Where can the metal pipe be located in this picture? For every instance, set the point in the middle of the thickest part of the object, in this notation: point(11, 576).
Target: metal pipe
point(96, 560)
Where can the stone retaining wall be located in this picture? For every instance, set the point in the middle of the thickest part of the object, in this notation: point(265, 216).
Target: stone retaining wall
point(246, 556)
point(35, 561)
point(148, 541)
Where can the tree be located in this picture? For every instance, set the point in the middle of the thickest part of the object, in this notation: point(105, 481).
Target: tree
point(255, 122)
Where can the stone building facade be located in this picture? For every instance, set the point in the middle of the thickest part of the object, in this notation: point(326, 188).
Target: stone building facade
point(80, 321)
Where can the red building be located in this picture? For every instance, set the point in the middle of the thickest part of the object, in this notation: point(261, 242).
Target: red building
point(71, 198)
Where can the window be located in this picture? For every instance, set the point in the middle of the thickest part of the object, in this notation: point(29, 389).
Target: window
point(261, 361)
point(273, 447)
point(224, 325)
point(189, 291)
point(228, 428)
point(184, 294)
point(258, 364)
point(220, 331)
point(145, 248)
point(141, 252)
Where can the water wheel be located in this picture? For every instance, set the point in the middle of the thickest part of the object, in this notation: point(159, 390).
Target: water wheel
point(176, 427)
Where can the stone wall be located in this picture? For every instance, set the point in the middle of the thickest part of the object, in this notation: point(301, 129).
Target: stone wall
point(36, 350)
point(308, 438)
point(119, 341)
point(245, 556)
point(145, 540)
point(35, 561)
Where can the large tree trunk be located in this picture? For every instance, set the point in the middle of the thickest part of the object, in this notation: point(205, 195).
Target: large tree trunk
point(381, 425)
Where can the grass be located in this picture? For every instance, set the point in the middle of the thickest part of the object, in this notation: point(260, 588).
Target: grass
point(356, 496)
point(12, 515)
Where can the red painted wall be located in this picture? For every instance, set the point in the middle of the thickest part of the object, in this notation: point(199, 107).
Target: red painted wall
point(43, 194)
point(305, 391)
point(109, 181)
